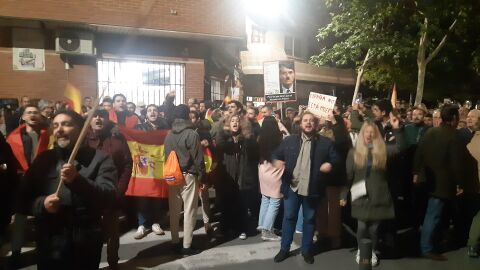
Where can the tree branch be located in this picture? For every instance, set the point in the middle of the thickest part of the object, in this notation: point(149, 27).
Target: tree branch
point(418, 10)
point(442, 42)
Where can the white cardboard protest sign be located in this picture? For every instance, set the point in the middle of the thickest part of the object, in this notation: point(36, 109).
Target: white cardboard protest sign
point(321, 105)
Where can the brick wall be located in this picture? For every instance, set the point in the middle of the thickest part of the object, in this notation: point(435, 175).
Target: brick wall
point(48, 84)
point(217, 17)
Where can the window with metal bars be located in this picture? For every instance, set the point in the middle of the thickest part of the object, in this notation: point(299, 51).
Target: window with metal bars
point(216, 90)
point(141, 81)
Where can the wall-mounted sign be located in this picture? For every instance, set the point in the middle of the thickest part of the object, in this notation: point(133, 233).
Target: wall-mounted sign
point(28, 59)
point(279, 81)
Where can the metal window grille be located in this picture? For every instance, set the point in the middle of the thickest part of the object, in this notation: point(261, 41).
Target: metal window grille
point(141, 81)
point(216, 90)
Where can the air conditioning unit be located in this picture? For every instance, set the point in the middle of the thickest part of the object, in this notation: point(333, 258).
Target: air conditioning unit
point(75, 42)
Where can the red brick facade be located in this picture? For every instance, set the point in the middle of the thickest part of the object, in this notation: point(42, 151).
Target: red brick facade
point(211, 17)
point(216, 17)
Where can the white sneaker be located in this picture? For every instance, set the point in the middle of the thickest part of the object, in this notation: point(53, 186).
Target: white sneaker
point(374, 259)
point(357, 257)
point(243, 236)
point(270, 236)
point(157, 229)
point(141, 232)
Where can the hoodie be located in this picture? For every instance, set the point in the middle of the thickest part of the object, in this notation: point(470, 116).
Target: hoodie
point(186, 143)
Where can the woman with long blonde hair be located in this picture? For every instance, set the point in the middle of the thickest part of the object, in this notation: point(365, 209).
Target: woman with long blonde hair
point(367, 174)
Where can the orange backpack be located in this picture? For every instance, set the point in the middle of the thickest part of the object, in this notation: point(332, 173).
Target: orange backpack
point(172, 172)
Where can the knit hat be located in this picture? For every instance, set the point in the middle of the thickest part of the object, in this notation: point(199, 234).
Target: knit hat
point(181, 112)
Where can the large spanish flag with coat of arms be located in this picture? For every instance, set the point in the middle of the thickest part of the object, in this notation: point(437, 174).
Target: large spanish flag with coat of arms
point(148, 155)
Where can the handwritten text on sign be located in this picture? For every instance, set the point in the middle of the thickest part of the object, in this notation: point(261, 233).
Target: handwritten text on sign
point(321, 105)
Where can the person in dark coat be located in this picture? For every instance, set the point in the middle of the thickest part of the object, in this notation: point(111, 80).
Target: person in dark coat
point(308, 160)
point(150, 210)
point(8, 174)
point(102, 136)
point(168, 107)
point(68, 224)
point(152, 120)
point(328, 219)
point(238, 154)
point(27, 141)
point(372, 201)
point(439, 164)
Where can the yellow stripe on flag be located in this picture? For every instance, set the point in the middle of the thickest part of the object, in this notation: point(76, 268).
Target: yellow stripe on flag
point(73, 97)
point(148, 160)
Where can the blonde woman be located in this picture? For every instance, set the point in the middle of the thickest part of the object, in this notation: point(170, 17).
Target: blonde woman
point(367, 172)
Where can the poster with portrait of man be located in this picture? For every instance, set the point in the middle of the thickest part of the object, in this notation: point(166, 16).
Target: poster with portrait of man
point(279, 81)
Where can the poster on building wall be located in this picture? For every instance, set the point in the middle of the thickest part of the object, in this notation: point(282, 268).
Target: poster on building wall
point(28, 59)
point(279, 81)
point(321, 105)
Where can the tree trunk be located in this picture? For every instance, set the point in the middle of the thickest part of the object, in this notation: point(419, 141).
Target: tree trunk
point(423, 60)
point(422, 68)
point(360, 75)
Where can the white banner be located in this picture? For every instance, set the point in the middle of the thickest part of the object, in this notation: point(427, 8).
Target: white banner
point(321, 105)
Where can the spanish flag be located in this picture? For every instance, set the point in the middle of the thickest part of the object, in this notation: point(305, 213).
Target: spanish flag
point(208, 115)
point(394, 96)
point(148, 155)
point(73, 98)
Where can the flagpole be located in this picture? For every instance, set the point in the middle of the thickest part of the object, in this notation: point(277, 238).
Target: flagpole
point(81, 137)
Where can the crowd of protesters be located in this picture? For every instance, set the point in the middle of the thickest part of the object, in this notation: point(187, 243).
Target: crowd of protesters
point(277, 173)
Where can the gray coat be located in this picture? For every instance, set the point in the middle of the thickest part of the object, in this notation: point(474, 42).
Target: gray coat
point(378, 204)
point(186, 143)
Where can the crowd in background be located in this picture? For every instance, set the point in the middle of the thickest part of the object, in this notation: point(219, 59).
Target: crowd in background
point(375, 168)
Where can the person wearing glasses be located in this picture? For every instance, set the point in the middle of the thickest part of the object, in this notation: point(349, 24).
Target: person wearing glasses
point(27, 142)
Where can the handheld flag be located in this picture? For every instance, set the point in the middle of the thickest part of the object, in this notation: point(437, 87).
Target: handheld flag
point(393, 100)
point(73, 98)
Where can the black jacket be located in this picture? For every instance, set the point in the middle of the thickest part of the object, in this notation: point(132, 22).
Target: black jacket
point(145, 126)
point(72, 237)
point(239, 160)
point(8, 174)
point(439, 161)
point(322, 151)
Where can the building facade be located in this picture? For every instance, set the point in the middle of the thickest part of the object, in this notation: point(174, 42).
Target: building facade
point(142, 49)
point(146, 48)
point(290, 36)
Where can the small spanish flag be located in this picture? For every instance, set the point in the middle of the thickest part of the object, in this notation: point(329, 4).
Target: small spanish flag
point(227, 100)
point(73, 98)
point(208, 115)
point(394, 96)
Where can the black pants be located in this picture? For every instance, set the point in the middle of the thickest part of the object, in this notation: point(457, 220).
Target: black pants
point(368, 230)
point(69, 247)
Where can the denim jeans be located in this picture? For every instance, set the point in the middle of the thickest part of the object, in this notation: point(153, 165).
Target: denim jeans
point(431, 224)
point(268, 212)
point(150, 211)
point(292, 202)
point(299, 226)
